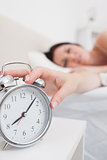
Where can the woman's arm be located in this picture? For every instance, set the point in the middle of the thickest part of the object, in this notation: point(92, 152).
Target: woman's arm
point(59, 84)
point(97, 69)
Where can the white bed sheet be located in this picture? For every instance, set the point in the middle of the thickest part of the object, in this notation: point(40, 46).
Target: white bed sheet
point(92, 107)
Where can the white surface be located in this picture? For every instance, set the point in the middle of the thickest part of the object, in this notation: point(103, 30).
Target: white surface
point(92, 107)
point(16, 41)
point(39, 59)
point(55, 18)
point(85, 10)
point(59, 143)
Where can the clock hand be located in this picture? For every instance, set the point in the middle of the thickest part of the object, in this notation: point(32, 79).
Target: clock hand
point(30, 105)
point(19, 121)
point(23, 115)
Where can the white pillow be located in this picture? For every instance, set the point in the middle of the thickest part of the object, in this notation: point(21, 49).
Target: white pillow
point(37, 58)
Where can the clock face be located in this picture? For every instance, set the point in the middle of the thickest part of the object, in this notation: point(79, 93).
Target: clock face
point(25, 115)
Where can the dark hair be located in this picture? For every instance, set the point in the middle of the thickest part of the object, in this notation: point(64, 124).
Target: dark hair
point(49, 54)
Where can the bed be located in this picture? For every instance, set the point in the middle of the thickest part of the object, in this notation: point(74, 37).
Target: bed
point(20, 44)
point(92, 107)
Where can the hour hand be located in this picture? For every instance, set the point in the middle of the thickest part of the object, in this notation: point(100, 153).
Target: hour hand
point(23, 115)
point(17, 120)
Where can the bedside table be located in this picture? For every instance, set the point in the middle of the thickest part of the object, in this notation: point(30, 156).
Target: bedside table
point(63, 141)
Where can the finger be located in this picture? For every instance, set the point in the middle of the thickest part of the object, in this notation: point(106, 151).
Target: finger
point(17, 73)
point(39, 72)
point(61, 94)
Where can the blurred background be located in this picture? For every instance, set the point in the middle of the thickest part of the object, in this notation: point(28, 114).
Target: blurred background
point(60, 20)
point(34, 25)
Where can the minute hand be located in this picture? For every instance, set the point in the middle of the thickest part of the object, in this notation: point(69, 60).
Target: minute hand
point(30, 105)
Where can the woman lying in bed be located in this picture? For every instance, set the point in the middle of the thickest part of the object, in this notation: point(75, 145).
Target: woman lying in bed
point(75, 56)
point(59, 84)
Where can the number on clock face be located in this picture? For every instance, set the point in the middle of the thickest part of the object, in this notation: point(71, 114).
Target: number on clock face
point(7, 106)
point(23, 113)
point(13, 98)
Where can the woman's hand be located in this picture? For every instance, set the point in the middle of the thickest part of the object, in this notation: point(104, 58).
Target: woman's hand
point(61, 84)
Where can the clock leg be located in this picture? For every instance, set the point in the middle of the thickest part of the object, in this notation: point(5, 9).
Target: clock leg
point(5, 145)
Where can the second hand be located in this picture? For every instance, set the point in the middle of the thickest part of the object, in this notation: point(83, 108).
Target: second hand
point(19, 121)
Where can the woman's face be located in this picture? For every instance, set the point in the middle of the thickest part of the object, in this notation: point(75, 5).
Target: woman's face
point(69, 55)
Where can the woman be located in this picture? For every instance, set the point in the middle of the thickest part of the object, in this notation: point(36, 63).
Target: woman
point(75, 56)
point(61, 84)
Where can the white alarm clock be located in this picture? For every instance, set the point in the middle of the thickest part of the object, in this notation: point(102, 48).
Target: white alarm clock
point(25, 113)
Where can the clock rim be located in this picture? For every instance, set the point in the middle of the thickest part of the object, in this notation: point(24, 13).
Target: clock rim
point(48, 121)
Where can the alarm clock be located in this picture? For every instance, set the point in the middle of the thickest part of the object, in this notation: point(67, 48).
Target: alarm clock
point(25, 113)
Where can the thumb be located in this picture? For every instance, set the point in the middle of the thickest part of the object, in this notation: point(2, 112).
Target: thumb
point(60, 95)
